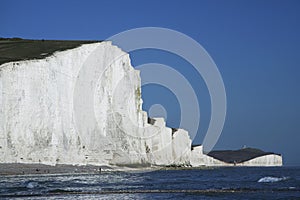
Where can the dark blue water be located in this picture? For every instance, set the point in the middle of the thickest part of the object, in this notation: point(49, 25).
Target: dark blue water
point(220, 183)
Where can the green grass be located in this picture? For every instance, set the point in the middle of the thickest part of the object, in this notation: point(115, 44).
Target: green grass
point(16, 49)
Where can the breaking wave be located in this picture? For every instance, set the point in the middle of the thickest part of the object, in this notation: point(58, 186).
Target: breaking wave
point(31, 185)
point(270, 179)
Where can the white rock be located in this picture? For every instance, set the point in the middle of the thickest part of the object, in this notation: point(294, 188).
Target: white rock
point(83, 106)
point(47, 107)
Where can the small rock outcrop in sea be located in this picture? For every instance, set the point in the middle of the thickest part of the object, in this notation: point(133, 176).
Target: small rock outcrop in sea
point(43, 118)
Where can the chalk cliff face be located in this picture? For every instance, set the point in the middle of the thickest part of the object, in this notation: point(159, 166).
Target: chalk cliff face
point(83, 106)
point(42, 118)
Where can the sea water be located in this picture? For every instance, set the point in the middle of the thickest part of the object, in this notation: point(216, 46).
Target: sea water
point(216, 183)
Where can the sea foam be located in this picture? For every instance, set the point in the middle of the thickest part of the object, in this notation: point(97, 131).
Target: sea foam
point(270, 179)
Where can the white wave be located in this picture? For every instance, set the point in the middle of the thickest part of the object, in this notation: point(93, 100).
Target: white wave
point(270, 179)
point(31, 185)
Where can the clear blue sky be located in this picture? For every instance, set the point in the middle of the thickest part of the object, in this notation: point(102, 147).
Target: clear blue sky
point(255, 44)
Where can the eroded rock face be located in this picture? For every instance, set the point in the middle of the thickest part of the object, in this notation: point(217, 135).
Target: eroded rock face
point(46, 116)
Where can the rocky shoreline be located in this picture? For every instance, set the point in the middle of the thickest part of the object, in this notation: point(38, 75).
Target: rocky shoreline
point(11, 169)
point(34, 169)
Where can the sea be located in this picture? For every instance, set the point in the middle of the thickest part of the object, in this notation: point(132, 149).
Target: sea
point(211, 183)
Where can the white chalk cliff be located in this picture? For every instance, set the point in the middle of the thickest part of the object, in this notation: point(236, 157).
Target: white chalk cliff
point(42, 118)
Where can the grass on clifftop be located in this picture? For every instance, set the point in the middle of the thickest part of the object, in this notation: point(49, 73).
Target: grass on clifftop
point(16, 49)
